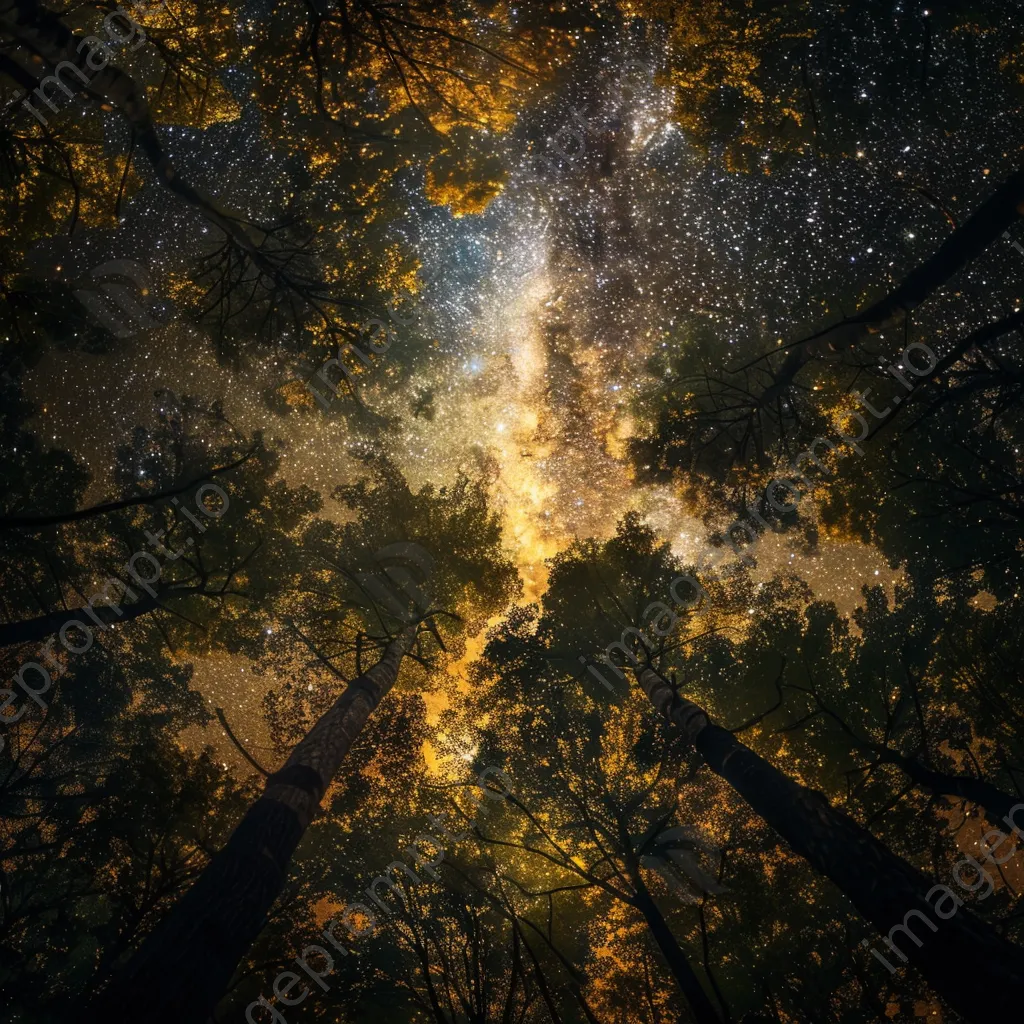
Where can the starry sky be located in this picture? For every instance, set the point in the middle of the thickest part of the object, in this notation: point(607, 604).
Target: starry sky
point(598, 228)
point(557, 311)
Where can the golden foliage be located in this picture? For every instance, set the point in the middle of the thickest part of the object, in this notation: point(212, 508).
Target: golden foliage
point(199, 103)
point(296, 394)
point(716, 68)
point(462, 179)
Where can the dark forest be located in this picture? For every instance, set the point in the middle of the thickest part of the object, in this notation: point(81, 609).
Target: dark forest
point(511, 513)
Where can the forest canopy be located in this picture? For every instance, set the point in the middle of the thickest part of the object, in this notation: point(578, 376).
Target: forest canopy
point(511, 513)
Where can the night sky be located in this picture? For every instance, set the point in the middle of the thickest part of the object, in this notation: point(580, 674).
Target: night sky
point(720, 194)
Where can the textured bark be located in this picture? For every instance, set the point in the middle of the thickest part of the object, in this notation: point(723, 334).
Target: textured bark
point(182, 969)
point(975, 970)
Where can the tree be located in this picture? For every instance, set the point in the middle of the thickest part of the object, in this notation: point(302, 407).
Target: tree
point(147, 556)
point(758, 84)
point(273, 273)
point(882, 886)
point(210, 930)
point(606, 827)
point(106, 820)
point(460, 960)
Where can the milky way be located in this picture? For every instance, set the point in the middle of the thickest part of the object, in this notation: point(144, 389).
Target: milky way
point(555, 312)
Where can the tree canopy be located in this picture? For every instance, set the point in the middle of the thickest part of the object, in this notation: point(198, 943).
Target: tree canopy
point(511, 513)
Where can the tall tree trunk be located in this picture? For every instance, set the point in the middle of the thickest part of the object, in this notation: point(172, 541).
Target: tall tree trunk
point(703, 1009)
point(976, 971)
point(182, 969)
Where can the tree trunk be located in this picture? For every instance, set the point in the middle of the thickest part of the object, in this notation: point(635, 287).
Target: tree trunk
point(33, 630)
point(991, 799)
point(976, 971)
point(701, 1006)
point(183, 968)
